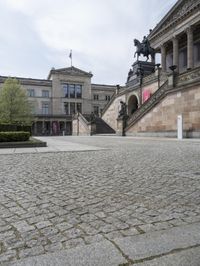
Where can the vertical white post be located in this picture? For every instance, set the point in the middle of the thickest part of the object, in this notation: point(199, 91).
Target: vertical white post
point(180, 126)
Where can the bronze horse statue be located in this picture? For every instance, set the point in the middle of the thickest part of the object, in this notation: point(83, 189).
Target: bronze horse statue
point(144, 48)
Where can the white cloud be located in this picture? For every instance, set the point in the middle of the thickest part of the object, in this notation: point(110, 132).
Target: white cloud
point(100, 32)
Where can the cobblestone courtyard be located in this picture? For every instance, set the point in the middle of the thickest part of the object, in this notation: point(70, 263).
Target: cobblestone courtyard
point(56, 201)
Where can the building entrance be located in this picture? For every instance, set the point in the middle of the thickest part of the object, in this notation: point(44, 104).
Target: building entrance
point(132, 104)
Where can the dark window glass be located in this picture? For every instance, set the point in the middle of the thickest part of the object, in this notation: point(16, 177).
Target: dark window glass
point(183, 58)
point(79, 107)
point(72, 108)
point(107, 97)
point(71, 90)
point(65, 90)
point(30, 93)
point(96, 110)
point(45, 93)
point(45, 108)
point(78, 89)
point(96, 97)
point(66, 106)
point(198, 52)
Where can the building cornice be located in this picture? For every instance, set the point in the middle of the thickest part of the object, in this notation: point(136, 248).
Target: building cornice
point(179, 12)
point(71, 71)
point(28, 81)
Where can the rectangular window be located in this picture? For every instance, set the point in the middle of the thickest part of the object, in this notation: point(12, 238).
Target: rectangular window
point(107, 97)
point(96, 97)
point(45, 108)
point(71, 90)
point(65, 90)
point(78, 89)
point(45, 93)
point(196, 55)
point(72, 108)
point(79, 107)
point(30, 92)
point(66, 106)
point(198, 52)
point(96, 110)
point(183, 58)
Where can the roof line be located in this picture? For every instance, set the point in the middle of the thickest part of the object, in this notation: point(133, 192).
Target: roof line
point(165, 17)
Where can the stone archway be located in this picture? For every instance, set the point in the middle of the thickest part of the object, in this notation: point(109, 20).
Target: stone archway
point(132, 104)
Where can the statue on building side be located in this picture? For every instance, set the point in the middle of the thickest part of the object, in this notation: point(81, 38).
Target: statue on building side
point(123, 110)
point(144, 48)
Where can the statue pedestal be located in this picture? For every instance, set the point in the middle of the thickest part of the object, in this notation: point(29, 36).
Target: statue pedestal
point(121, 124)
point(148, 67)
point(120, 127)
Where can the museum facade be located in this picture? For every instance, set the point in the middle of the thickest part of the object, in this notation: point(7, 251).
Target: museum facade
point(156, 100)
point(65, 92)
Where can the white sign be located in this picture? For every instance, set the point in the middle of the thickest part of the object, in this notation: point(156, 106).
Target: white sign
point(180, 126)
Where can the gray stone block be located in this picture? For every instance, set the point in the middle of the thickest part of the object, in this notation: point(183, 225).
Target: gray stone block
point(160, 242)
point(98, 254)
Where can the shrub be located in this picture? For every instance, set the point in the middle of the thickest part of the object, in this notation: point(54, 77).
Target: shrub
point(14, 127)
point(14, 136)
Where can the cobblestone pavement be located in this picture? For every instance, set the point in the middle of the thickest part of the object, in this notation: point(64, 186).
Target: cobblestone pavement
point(56, 201)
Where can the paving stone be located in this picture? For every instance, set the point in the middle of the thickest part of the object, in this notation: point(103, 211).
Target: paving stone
point(189, 257)
point(93, 239)
point(64, 226)
point(7, 256)
point(43, 224)
point(134, 186)
point(71, 243)
point(156, 243)
point(23, 226)
point(98, 254)
point(129, 232)
point(53, 247)
point(28, 252)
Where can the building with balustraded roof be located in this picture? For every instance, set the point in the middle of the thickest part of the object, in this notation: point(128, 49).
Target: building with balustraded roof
point(172, 90)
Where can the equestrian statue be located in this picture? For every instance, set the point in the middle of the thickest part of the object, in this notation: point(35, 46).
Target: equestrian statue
point(144, 48)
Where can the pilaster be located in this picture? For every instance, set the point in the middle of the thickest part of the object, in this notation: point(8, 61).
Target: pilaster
point(175, 53)
point(190, 60)
point(163, 57)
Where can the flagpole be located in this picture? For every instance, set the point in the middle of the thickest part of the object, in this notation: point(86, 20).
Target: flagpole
point(70, 56)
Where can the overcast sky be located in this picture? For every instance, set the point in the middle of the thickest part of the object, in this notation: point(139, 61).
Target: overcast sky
point(37, 35)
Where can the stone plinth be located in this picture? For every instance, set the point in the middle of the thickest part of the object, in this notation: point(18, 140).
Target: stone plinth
point(121, 124)
point(147, 68)
point(120, 127)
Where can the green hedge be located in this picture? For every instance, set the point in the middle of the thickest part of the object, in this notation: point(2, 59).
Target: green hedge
point(14, 136)
point(14, 127)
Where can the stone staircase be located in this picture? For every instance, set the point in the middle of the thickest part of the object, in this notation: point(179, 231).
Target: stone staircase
point(102, 127)
point(148, 105)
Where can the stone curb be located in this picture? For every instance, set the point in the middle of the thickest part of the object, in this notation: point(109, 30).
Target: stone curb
point(141, 250)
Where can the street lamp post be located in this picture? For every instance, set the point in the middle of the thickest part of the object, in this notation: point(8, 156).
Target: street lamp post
point(140, 74)
point(173, 68)
point(158, 69)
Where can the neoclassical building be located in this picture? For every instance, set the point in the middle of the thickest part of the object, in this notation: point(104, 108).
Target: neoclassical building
point(65, 92)
point(157, 96)
point(177, 36)
point(155, 101)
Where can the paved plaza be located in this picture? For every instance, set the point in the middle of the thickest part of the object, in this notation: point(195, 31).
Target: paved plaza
point(112, 194)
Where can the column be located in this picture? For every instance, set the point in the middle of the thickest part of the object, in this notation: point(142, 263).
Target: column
point(43, 127)
point(190, 59)
point(163, 58)
point(35, 128)
point(175, 53)
point(51, 125)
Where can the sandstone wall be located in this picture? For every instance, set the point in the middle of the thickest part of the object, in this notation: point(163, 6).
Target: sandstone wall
point(163, 117)
point(111, 114)
point(79, 127)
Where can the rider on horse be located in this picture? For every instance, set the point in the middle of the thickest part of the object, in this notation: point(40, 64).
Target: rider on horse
point(146, 46)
